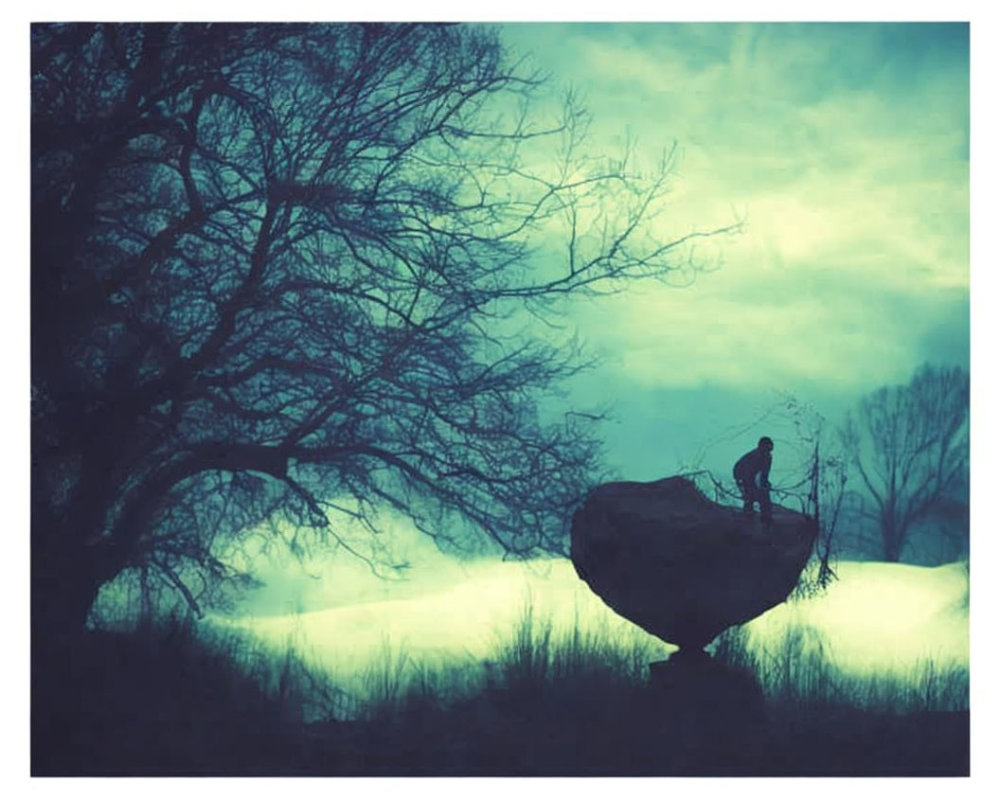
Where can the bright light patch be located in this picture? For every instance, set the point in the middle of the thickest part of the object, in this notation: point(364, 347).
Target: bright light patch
point(878, 620)
point(465, 624)
point(881, 619)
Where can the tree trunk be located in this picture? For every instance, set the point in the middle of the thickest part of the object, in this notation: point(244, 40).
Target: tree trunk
point(64, 585)
point(892, 546)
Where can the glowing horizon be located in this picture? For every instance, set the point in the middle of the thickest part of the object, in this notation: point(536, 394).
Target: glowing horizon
point(878, 621)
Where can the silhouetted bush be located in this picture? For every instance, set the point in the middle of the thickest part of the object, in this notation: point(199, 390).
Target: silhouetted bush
point(190, 700)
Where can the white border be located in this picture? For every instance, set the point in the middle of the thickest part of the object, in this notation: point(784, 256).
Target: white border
point(14, 754)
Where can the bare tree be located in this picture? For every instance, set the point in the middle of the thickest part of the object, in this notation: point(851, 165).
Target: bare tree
point(826, 483)
point(277, 277)
point(820, 487)
point(910, 448)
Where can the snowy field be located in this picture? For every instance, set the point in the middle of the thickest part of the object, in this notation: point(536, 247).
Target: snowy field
point(877, 619)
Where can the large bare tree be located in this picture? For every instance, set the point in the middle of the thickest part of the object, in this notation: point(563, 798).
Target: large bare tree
point(909, 445)
point(277, 275)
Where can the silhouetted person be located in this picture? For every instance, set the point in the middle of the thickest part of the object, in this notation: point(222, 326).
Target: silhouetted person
point(746, 471)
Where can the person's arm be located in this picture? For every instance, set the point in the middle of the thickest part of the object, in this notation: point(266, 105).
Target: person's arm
point(765, 472)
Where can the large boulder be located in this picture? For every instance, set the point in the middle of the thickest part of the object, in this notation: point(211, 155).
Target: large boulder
point(681, 566)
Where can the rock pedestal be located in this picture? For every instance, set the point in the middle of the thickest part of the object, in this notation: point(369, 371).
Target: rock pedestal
point(681, 566)
point(693, 682)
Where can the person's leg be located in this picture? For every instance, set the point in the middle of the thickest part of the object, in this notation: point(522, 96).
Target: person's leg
point(764, 499)
point(746, 490)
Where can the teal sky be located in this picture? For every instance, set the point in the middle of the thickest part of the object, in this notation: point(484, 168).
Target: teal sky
point(845, 147)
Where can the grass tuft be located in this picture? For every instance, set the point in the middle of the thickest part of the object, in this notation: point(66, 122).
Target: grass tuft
point(181, 698)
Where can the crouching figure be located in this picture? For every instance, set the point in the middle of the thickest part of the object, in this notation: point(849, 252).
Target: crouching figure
point(751, 473)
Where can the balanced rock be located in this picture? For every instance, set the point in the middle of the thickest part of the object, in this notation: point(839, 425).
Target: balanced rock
point(681, 566)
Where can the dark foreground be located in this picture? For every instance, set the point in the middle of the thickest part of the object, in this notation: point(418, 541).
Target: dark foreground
point(120, 705)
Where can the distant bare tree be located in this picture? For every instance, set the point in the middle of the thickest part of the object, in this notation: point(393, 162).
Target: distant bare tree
point(275, 277)
point(909, 445)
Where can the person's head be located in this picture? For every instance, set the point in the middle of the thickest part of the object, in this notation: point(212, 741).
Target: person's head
point(765, 444)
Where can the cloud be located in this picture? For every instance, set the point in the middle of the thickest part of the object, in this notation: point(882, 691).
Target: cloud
point(846, 147)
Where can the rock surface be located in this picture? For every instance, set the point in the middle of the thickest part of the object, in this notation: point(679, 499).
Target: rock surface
point(682, 567)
